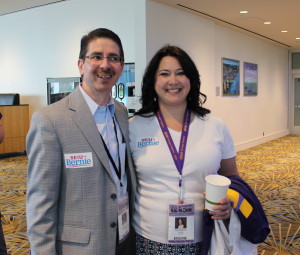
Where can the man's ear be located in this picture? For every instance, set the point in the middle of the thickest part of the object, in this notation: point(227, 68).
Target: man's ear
point(80, 63)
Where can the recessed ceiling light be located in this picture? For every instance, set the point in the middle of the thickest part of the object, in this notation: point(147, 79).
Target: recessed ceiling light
point(267, 22)
point(284, 31)
point(298, 38)
point(243, 12)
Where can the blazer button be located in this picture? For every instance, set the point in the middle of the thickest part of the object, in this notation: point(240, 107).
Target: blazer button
point(113, 224)
point(113, 196)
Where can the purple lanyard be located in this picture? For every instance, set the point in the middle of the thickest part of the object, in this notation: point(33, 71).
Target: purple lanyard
point(178, 157)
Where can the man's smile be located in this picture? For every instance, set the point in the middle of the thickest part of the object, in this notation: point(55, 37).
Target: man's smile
point(104, 76)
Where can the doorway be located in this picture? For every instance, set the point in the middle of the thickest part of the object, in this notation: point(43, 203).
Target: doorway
point(296, 106)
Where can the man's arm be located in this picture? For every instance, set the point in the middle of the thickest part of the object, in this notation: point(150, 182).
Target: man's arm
point(43, 184)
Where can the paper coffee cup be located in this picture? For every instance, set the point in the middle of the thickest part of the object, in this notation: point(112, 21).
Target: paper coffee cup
point(216, 190)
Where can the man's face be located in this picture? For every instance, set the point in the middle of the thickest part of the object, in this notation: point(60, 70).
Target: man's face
point(98, 77)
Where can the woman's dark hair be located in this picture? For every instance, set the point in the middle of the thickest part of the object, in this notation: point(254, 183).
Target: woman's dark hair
point(195, 98)
point(99, 33)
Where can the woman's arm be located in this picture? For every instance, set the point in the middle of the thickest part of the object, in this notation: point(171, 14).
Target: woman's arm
point(228, 167)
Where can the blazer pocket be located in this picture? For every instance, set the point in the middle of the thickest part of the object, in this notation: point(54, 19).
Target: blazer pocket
point(74, 234)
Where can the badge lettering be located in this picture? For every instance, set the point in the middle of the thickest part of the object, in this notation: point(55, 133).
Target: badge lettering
point(144, 142)
point(79, 160)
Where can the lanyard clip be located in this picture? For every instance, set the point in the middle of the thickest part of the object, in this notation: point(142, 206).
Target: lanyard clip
point(180, 195)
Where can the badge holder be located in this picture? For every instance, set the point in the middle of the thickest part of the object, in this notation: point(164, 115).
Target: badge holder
point(123, 218)
point(181, 223)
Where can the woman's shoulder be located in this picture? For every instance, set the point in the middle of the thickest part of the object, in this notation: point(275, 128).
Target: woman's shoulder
point(210, 119)
point(140, 124)
point(141, 119)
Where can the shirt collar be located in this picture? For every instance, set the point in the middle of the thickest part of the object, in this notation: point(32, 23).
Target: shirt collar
point(93, 105)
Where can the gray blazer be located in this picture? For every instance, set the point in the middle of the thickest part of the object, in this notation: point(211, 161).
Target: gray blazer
point(72, 210)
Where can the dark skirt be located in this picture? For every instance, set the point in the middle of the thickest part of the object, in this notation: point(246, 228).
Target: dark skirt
point(145, 246)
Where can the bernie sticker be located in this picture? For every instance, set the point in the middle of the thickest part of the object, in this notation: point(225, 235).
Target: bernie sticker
point(79, 160)
point(145, 142)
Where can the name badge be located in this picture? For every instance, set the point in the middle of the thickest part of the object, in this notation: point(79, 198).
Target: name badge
point(79, 160)
point(181, 223)
point(123, 218)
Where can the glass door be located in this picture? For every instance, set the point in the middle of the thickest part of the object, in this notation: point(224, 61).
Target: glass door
point(296, 122)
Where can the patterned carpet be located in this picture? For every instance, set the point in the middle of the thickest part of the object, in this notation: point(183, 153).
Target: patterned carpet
point(272, 169)
point(12, 203)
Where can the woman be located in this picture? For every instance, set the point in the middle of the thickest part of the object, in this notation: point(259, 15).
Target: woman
point(180, 223)
point(175, 143)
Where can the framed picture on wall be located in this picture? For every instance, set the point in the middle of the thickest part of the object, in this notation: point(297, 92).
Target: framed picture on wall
point(250, 79)
point(230, 77)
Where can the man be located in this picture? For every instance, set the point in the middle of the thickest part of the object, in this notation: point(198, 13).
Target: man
point(2, 240)
point(80, 173)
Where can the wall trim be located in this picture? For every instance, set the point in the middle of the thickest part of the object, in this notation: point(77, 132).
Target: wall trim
point(258, 141)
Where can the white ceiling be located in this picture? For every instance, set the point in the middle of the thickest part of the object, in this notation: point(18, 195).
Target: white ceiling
point(283, 14)
point(11, 6)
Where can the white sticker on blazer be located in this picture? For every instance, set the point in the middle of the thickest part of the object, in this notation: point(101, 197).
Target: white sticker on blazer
point(79, 160)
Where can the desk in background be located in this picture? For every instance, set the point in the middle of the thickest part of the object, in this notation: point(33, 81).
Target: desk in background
point(16, 124)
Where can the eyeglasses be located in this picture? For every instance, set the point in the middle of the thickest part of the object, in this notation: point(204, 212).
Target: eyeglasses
point(98, 59)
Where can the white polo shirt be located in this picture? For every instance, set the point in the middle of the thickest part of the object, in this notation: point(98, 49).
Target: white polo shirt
point(208, 143)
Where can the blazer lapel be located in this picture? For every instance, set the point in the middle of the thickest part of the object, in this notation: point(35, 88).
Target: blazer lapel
point(83, 118)
point(122, 121)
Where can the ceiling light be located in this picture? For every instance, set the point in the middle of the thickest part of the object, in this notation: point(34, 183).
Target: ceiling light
point(284, 31)
point(267, 22)
point(298, 38)
point(243, 12)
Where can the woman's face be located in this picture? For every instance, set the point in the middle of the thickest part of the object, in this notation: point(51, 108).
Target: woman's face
point(180, 222)
point(172, 85)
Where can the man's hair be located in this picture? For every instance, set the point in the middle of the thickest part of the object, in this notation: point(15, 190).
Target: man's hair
point(99, 33)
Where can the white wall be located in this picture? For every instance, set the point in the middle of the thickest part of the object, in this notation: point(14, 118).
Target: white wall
point(44, 43)
point(248, 118)
point(141, 43)
point(267, 113)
